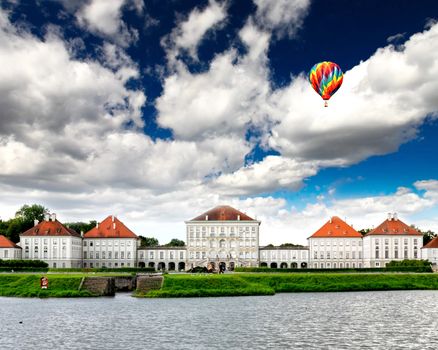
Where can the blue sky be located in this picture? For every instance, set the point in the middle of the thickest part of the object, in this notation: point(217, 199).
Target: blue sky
point(158, 110)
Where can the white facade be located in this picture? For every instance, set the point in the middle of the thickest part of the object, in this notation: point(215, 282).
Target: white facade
point(163, 258)
point(109, 252)
point(233, 243)
point(57, 251)
point(284, 257)
point(381, 249)
point(10, 253)
point(430, 254)
point(336, 252)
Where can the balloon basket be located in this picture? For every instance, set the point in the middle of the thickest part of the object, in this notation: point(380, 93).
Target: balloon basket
point(325, 104)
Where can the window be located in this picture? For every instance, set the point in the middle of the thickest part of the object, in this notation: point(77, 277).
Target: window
point(103, 255)
point(91, 243)
point(377, 252)
point(341, 255)
point(171, 255)
point(122, 255)
point(321, 255)
point(151, 255)
point(109, 255)
point(386, 252)
point(197, 255)
point(203, 255)
point(161, 255)
point(116, 255)
point(85, 243)
point(328, 255)
point(415, 253)
point(85, 255)
point(5, 253)
point(91, 255)
point(181, 255)
point(129, 255)
point(97, 255)
point(353, 255)
point(347, 255)
point(222, 243)
point(405, 253)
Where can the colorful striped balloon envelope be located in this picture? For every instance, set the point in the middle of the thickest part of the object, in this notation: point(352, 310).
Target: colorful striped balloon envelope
point(326, 78)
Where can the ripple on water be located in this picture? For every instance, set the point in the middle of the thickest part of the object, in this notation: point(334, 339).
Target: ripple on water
point(364, 320)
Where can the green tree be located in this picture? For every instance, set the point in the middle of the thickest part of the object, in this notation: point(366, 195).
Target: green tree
point(29, 213)
point(428, 236)
point(148, 241)
point(81, 226)
point(175, 243)
point(292, 245)
point(364, 231)
point(15, 227)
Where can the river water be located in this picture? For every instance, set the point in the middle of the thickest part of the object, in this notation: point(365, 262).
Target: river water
point(360, 320)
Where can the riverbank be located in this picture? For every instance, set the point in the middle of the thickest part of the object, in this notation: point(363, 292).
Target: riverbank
point(60, 285)
point(240, 284)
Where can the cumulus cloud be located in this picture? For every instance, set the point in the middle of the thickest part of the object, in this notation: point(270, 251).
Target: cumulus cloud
point(188, 33)
point(104, 18)
point(270, 174)
point(223, 100)
point(284, 17)
point(380, 105)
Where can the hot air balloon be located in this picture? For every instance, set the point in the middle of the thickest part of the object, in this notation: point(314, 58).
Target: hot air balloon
point(326, 78)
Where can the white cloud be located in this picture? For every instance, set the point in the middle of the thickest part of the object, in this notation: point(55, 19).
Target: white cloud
point(284, 17)
point(224, 100)
point(104, 18)
point(380, 105)
point(188, 34)
point(270, 174)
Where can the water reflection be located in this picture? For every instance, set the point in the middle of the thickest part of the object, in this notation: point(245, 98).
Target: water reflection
point(365, 320)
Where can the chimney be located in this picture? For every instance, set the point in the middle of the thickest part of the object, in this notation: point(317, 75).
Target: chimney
point(97, 225)
point(114, 225)
point(331, 220)
point(389, 216)
point(395, 216)
point(46, 217)
point(35, 222)
point(112, 218)
point(206, 217)
point(238, 217)
point(53, 217)
point(82, 233)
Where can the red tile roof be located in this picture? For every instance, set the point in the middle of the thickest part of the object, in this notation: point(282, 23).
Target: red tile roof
point(432, 244)
point(223, 213)
point(50, 228)
point(394, 226)
point(337, 228)
point(7, 243)
point(110, 229)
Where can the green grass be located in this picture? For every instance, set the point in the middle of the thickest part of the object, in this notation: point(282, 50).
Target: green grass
point(24, 285)
point(268, 284)
point(60, 285)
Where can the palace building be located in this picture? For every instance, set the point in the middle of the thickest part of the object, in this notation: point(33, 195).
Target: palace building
point(335, 245)
point(8, 249)
point(52, 242)
point(222, 238)
point(430, 251)
point(391, 240)
point(110, 244)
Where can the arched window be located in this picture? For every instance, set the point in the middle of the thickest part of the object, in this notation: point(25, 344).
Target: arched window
point(222, 243)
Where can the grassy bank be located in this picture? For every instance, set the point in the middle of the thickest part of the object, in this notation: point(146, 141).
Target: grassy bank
point(268, 284)
point(60, 285)
point(25, 285)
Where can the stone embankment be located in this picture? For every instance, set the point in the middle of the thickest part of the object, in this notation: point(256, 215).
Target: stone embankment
point(99, 286)
point(146, 283)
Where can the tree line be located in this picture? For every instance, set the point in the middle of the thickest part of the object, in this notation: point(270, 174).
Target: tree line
point(25, 216)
